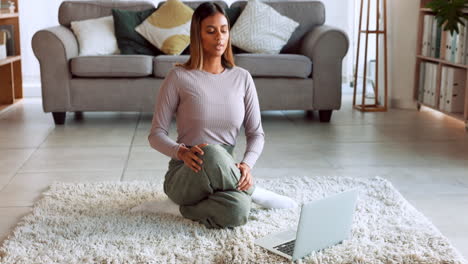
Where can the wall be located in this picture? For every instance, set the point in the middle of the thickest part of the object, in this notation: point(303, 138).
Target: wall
point(34, 16)
point(402, 38)
point(402, 18)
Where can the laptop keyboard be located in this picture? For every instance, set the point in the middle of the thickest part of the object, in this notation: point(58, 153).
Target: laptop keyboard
point(286, 248)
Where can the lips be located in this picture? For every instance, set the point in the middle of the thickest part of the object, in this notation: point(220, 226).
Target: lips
point(219, 47)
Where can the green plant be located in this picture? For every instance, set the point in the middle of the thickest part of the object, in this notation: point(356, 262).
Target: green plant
point(449, 13)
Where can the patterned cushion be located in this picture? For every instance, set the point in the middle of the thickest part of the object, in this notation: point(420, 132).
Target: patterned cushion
point(168, 28)
point(130, 41)
point(261, 29)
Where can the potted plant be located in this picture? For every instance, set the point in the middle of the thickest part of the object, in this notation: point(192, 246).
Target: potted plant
point(449, 13)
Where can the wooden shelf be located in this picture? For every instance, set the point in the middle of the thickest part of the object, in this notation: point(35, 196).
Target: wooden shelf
point(444, 62)
point(440, 62)
point(425, 9)
point(4, 107)
point(458, 116)
point(8, 15)
point(9, 59)
point(11, 80)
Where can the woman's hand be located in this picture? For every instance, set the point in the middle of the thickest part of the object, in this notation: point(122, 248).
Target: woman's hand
point(188, 155)
point(246, 180)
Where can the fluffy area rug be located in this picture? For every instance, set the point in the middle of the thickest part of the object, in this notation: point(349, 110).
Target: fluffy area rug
point(91, 223)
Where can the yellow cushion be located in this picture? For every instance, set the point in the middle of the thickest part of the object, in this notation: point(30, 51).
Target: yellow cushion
point(168, 28)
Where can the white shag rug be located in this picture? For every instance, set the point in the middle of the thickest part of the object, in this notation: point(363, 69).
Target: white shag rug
point(91, 223)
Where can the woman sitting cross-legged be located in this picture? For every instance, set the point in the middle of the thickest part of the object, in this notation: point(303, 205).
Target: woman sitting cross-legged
point(212, 98)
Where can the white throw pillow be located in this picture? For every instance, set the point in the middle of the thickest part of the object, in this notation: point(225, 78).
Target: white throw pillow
point(96, 36)
point(261, 29)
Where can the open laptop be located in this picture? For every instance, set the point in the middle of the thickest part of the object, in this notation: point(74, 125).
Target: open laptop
point(322, 224)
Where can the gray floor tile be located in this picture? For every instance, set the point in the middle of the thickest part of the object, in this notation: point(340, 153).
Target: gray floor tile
point(26, 188)
point(9, 217)
point(76, 159)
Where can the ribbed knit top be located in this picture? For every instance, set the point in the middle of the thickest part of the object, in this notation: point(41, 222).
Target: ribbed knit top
point(209, 108)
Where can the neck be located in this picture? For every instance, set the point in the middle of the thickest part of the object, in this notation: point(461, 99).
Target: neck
point(212, 64)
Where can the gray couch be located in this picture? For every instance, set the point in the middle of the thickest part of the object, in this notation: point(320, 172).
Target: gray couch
point(306, 75)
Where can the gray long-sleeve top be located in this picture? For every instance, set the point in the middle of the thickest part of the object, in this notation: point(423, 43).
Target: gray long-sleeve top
point(210, 108)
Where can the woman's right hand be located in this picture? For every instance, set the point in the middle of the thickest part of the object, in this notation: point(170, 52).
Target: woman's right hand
point(188, 155)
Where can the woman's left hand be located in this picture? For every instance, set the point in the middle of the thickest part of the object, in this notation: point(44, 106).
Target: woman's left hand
point(246, 180)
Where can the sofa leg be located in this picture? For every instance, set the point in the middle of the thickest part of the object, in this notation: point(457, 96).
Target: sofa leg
point(309, 114)
point(59, 117)
point(78, 115)
point(325, 115)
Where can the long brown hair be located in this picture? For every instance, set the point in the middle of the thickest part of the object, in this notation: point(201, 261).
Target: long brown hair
point(195, 60)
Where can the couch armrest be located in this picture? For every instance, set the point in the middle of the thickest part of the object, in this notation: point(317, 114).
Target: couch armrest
point(54, 47)
point(326, 46)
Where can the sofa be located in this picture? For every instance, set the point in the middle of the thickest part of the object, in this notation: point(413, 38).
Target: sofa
point(305, 75)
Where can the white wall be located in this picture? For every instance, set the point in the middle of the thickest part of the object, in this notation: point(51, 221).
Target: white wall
point(402, 38)
point(340, 14)
point(34, 15)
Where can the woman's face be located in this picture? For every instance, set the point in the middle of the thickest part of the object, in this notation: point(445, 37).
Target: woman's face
point(214, 34)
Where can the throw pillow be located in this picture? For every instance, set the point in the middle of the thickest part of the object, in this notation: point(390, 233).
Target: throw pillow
point(128, 40)
point(233, 14)
point(261, 29)
point(96, 36)
point(168, 28)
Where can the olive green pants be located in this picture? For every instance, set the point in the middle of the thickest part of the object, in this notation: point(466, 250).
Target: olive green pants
point(209, 196)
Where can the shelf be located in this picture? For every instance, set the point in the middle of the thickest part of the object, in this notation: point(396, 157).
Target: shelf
point(458, 116)
point(9, 59)
point(448, 63)
point(8, 15)
point(436, 72)
point(11, 80)
point(5, 107)
point(425, 9)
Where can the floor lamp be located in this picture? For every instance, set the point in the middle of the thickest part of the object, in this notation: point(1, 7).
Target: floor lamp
point(376, 107)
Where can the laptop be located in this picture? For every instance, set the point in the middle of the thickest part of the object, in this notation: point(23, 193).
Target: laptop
point(322, 224)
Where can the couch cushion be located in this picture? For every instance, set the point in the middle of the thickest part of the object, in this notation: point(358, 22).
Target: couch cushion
point(261, 29)
point(194, 5)
point(168, 28)
point(96, 36)
point(309, 13)
point(112, 66)
point(259, 65)
point(164, 63)
point(129, 41)
point(277, 65)
point(81, 10)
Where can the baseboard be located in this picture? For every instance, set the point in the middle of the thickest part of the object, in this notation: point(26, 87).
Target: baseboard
point(31, 88)
point(403, 104)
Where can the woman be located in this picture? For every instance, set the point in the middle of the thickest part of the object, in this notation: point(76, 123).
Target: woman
point(212, 99)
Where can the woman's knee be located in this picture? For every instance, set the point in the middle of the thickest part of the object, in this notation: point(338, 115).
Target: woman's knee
point(215, 157)
point(214, 154)
point(235, 214)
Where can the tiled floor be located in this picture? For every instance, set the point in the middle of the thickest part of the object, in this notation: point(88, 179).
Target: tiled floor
point(424, 154)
